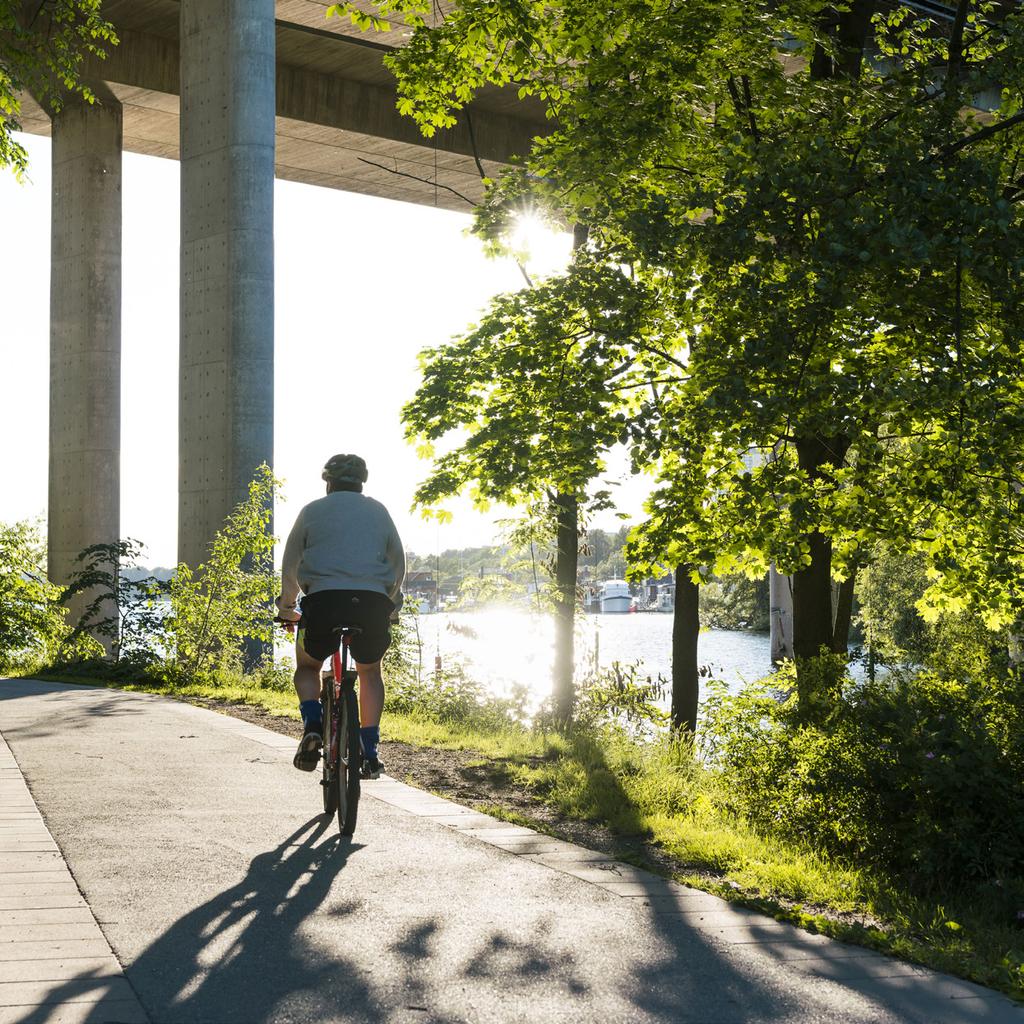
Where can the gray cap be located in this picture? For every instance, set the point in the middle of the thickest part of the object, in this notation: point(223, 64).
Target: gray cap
point(342, 469)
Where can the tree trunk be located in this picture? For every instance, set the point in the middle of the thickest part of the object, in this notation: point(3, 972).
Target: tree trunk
point(567, 551)
point(685, 672)
point(849, 30)
point(566, 558)
point(817, 673)
point(843, 614)
point(812, 600)
point(854, 26)
point(813, 622)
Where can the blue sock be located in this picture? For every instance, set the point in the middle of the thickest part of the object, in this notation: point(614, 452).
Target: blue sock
point(312, 712)
point(370, 735)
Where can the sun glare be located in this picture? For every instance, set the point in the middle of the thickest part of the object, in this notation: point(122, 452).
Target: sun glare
point(546, 251)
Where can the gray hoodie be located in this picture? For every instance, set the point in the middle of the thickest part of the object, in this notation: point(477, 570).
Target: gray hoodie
point(344, 541)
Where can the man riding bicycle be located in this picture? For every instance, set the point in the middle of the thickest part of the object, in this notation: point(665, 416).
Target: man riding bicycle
point(345, 556)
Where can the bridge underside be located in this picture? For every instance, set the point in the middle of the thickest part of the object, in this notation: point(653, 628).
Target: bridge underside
point(241, 92)
point(336, 124)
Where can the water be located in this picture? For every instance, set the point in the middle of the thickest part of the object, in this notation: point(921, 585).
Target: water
point(500, 647)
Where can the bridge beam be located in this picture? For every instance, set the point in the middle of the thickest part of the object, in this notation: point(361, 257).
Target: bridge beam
point(85, 331)
point(226, 411)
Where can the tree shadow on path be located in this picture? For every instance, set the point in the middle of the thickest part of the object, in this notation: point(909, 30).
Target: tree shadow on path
point(241, 957)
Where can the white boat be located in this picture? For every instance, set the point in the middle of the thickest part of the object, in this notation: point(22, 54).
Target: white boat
point(667, 597)
point(615, 597)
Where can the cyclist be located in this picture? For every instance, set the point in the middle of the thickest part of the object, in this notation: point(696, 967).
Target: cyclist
point(345, 556)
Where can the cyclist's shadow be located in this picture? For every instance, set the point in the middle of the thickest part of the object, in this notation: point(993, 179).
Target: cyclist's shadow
point(241, 956)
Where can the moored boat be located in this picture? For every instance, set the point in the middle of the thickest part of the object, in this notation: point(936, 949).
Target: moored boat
point(615, 597)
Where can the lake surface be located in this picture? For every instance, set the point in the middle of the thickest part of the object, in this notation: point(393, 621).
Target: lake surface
point(500, 647)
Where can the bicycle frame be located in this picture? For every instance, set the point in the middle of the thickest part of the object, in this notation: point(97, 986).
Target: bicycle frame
point(339, 665)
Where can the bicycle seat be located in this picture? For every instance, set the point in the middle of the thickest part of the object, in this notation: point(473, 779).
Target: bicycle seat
point(348, 630)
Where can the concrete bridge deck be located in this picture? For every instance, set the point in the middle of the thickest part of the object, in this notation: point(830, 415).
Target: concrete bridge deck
point(225, 898)
point(336, 118)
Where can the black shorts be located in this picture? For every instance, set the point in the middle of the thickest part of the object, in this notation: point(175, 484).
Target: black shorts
point(326, 610)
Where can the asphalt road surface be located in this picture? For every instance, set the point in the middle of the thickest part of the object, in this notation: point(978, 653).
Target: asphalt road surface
point(228, 898)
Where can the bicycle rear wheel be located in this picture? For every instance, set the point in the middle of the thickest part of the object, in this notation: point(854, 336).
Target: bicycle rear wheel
point(348, 768)
point(329, 782)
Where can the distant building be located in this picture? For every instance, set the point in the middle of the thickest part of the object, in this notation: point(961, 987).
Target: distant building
point(421, 588)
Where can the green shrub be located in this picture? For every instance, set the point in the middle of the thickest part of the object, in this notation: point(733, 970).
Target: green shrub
point(403, 660)
point(918, 775)
point(451, 697)
point(225, 603)
point(620, 695)
point(126, 608)
point(33, 626)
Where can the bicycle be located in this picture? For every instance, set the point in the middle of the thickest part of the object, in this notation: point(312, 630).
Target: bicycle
point(342, 749)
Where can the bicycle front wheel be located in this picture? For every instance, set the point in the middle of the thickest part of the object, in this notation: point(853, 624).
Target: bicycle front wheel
point(348, 768)
point(329, 781)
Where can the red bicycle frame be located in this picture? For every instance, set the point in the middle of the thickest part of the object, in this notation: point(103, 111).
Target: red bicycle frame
point(339, 661)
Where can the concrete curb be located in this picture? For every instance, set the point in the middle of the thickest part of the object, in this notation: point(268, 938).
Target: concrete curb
point(48, 935)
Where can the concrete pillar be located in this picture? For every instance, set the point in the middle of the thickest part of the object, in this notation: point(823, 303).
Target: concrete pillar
point(85, 331)
point(780, 604)
point(226, 412)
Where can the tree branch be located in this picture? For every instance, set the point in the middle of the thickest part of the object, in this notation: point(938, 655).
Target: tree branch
point(472, 142)
point(954, 61)
point(652, 382)
point(648, 347)
point(749, 103)
point(414, 177)
point(979, 136)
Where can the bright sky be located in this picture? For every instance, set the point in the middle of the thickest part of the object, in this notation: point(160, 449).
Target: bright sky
point(362, 285)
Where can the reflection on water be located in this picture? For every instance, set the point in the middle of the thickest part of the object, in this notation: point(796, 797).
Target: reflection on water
point(501, 646)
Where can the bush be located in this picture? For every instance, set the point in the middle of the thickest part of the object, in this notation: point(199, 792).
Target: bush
point(225, 603)
point(33, 626)
point(403, 660)
point(124, 605)
point(451, 697)
point(918, 775)
point(618, 695)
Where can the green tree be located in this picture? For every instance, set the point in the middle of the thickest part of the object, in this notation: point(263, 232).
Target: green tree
point(223, 604)
point(836, 241)
point(537, 393)
point(899, 629)
point(42, 46)
point(850, 304)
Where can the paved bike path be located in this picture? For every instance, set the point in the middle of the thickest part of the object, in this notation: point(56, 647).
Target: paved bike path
point(226, 898)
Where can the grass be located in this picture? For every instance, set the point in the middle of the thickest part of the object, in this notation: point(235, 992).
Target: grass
point(516, 744)
point(656, 792)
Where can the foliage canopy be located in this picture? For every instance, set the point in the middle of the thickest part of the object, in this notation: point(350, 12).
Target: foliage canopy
point(43, 44)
